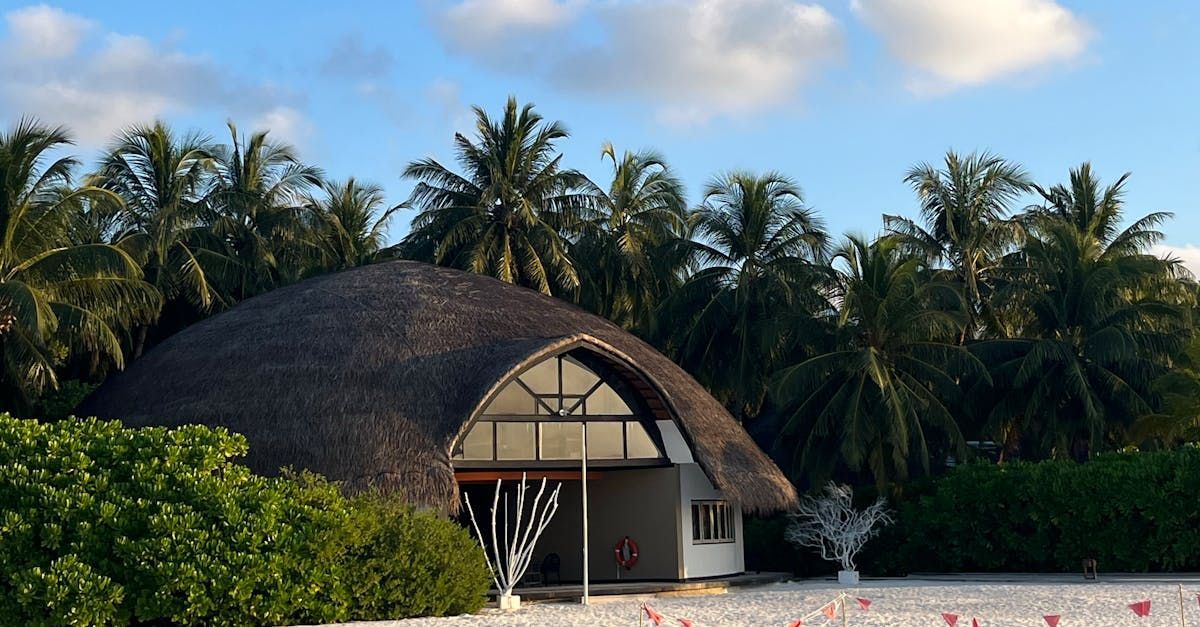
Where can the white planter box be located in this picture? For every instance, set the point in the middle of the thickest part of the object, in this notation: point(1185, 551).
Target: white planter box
point(848, 577)
point(510, 602)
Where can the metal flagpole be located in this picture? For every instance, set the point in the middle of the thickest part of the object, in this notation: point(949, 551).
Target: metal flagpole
point(583, 481)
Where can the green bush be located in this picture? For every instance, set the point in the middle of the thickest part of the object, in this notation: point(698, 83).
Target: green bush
point(403, 563)
point(1132, 512)
point(100, 524)
point(69, 593)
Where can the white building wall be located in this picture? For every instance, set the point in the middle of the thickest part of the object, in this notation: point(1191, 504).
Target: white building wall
point(706, 560)
point(640, 504)
point(677, 449)
point(654, 507)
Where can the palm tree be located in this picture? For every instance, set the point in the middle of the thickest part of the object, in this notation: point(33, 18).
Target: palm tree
point(506, 214)
point(759, 251)
point(258, 209)
point(965, 209)
point(349, 225)
point(1178, 419)
point(876, 401)
point(1099, 330)
point(163, 180)
point(630, 252)
point(57, 296)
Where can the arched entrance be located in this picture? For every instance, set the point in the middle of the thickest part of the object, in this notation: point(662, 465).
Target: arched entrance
point(641, 482)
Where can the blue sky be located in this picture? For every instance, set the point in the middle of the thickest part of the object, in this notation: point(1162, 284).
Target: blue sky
point(841, 95)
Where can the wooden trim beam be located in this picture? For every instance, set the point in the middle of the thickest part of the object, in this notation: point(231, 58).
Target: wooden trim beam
point(490, 476)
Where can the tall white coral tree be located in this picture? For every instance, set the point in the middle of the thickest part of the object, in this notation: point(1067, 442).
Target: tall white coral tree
point(512, 550)
point(829, 523)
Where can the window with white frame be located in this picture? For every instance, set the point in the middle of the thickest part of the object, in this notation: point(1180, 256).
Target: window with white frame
point(712, 522)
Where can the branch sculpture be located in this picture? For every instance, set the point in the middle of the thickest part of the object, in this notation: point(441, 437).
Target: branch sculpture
point(830, 523)
point(509, 562)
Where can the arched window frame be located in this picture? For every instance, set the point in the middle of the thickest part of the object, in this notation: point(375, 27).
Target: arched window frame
point(605, 367)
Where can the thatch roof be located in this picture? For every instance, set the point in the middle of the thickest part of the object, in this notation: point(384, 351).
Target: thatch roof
point(369, 376)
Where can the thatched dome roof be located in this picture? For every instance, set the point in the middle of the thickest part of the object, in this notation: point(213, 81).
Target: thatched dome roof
point(370, 376)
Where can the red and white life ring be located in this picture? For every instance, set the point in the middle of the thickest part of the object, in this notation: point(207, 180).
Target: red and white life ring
point(626, 552)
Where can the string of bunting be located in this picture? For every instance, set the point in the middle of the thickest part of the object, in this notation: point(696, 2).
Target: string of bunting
point(1140, 608)
point(829, 611)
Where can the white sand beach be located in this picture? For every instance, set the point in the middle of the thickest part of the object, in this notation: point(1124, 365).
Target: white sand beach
point(894, 603)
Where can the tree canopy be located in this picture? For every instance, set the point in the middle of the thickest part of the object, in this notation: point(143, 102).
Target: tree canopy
point(1001, 316)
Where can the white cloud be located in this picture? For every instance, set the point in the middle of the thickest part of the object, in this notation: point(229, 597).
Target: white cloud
point(108, 81)
point(445, 96)
point(286, 124)
point(479, 25)
point(45, 32)
point(953, 43)
point(509, 34)
point(705, 58)
point(1189, 254)
point(91, 115)
point(691, 59)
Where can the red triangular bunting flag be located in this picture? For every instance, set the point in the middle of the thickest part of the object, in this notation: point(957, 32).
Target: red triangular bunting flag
point(974, 622)
point(796, 623)
point(951, 619)
point(685, 622)
point(1141, 608)
point(830, 611)
point(1052, 619)
point(654, 617)
point(864, 603)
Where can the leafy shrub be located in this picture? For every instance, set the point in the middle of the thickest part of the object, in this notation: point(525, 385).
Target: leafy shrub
point(154, 524)
point(101, 524)
point(1131, 511)
point(403, 563)
point(70, 593)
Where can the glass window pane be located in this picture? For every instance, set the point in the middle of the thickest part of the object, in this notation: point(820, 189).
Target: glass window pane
point(562, 440)
point(576, 378)
point(548, 406)
point(515, 440)
point(606, 440)
point(712, 521)
point(478, 442)
point(542, 378)
point(573, 405)
point(513, 400)
point(605, 402)
point(640, 444)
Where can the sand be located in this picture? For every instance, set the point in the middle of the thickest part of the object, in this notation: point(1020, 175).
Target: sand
point(895, 603)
